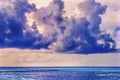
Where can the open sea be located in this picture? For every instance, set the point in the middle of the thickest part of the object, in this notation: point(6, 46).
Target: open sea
point(59, 73)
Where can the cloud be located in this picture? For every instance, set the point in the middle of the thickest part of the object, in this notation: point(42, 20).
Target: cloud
point(113, 10)
point(116, 36)
point(80, 34)
point(51, 30)
point(13, 30)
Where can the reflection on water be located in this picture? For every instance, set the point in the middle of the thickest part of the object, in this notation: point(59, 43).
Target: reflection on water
point(61, 74)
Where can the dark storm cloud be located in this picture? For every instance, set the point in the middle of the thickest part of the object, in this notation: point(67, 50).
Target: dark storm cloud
point(13, 30)
point(82, 34)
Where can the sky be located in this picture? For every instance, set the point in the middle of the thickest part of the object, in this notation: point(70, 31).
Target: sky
point(49, 58)
point(53, 29)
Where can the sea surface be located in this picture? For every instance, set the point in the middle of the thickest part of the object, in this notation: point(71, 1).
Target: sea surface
point(59, 73)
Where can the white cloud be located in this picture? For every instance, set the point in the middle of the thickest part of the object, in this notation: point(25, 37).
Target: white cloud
point(40, 3)
point(111, 19)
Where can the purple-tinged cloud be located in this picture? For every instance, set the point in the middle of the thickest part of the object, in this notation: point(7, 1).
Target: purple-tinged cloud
point(80, 34)
point(13, 30)
point(116, 36)
point(61, 33)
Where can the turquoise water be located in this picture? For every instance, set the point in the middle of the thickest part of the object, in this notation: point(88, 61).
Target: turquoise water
point(60, 73)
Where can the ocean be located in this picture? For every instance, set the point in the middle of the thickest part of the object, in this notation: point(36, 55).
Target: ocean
point(59, 73)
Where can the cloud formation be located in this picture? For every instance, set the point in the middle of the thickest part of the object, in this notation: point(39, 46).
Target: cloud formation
point(52, 30)
point(13, 30)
